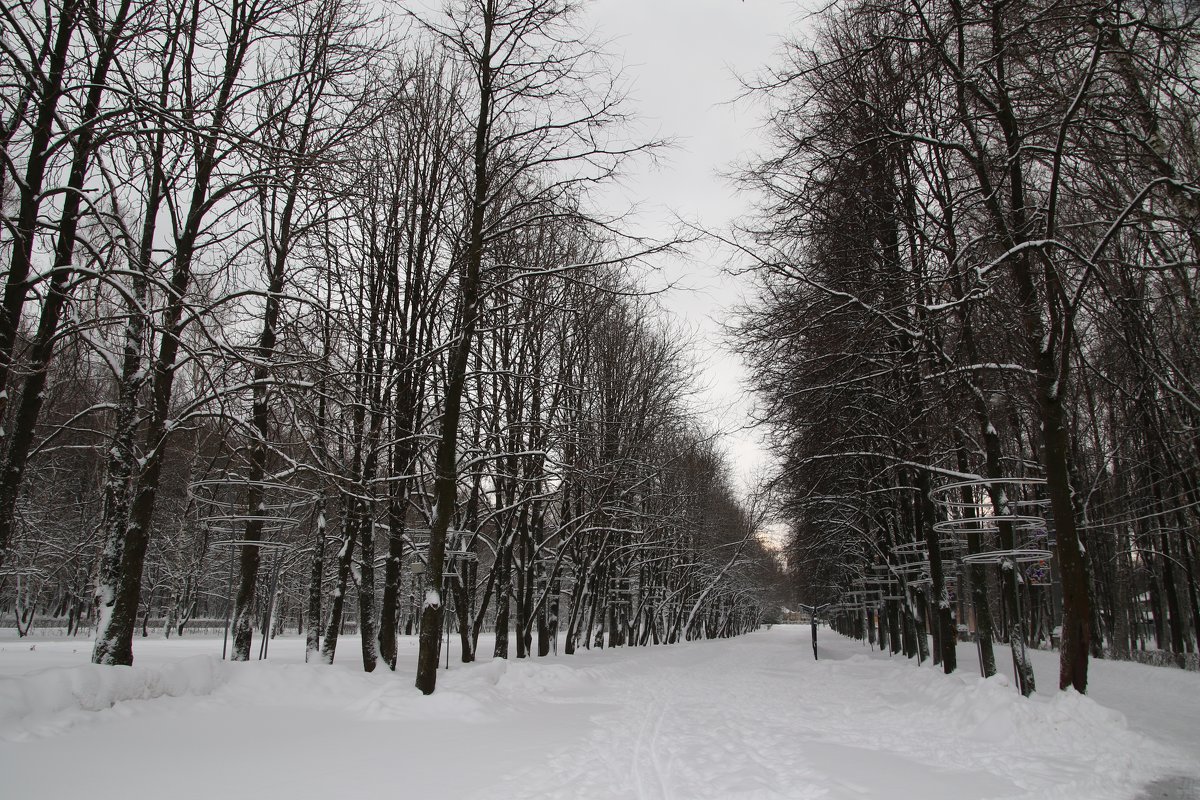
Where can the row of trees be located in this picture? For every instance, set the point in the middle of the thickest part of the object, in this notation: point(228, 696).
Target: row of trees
point(287, 275)
point(977, 252)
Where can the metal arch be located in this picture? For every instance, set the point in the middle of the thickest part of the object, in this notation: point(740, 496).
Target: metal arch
point(1019, 555)
point(943, 495)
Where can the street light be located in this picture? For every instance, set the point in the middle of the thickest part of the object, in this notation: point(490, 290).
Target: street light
point(812, 615)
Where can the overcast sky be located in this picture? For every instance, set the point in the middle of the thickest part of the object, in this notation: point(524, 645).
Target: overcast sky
point(682, 58)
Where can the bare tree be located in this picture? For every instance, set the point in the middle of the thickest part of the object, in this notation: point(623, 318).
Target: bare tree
point(538, 114)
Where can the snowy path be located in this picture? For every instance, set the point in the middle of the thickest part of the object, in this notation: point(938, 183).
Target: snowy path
point(748, 718)
point(762, 720)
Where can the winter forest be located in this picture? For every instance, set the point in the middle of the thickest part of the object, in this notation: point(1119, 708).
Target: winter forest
point(321, 325)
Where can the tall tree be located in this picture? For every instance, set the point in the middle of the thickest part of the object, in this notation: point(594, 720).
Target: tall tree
point(540, 120)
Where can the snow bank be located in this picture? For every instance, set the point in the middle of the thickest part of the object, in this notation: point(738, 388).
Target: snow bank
point(474, 693)
point(1051, 745)
point(542, 679)
point(46, 703)
point(991, 712)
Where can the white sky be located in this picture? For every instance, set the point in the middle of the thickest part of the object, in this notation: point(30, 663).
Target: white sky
point(682, 58)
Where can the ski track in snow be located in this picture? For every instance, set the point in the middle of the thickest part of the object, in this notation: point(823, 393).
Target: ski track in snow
point(759, 721)
point(741, 719)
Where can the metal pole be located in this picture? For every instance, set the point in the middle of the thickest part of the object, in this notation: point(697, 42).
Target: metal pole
point(1017, 626)
point(979, 649)
point(420, 602)
point(266, 626)
point(446, 616)
point(966, 582)
point(228, 606)
point(271, 606)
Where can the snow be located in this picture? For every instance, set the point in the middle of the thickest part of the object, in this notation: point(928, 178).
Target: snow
point(50, 701)
point(753, 717)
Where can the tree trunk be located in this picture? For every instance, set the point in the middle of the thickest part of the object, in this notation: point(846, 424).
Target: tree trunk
point(446, 461)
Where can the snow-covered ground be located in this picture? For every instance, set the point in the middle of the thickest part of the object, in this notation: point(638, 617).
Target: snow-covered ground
point(753, 717)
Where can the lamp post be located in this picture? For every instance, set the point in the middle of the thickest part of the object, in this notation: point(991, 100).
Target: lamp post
point(812, 614)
